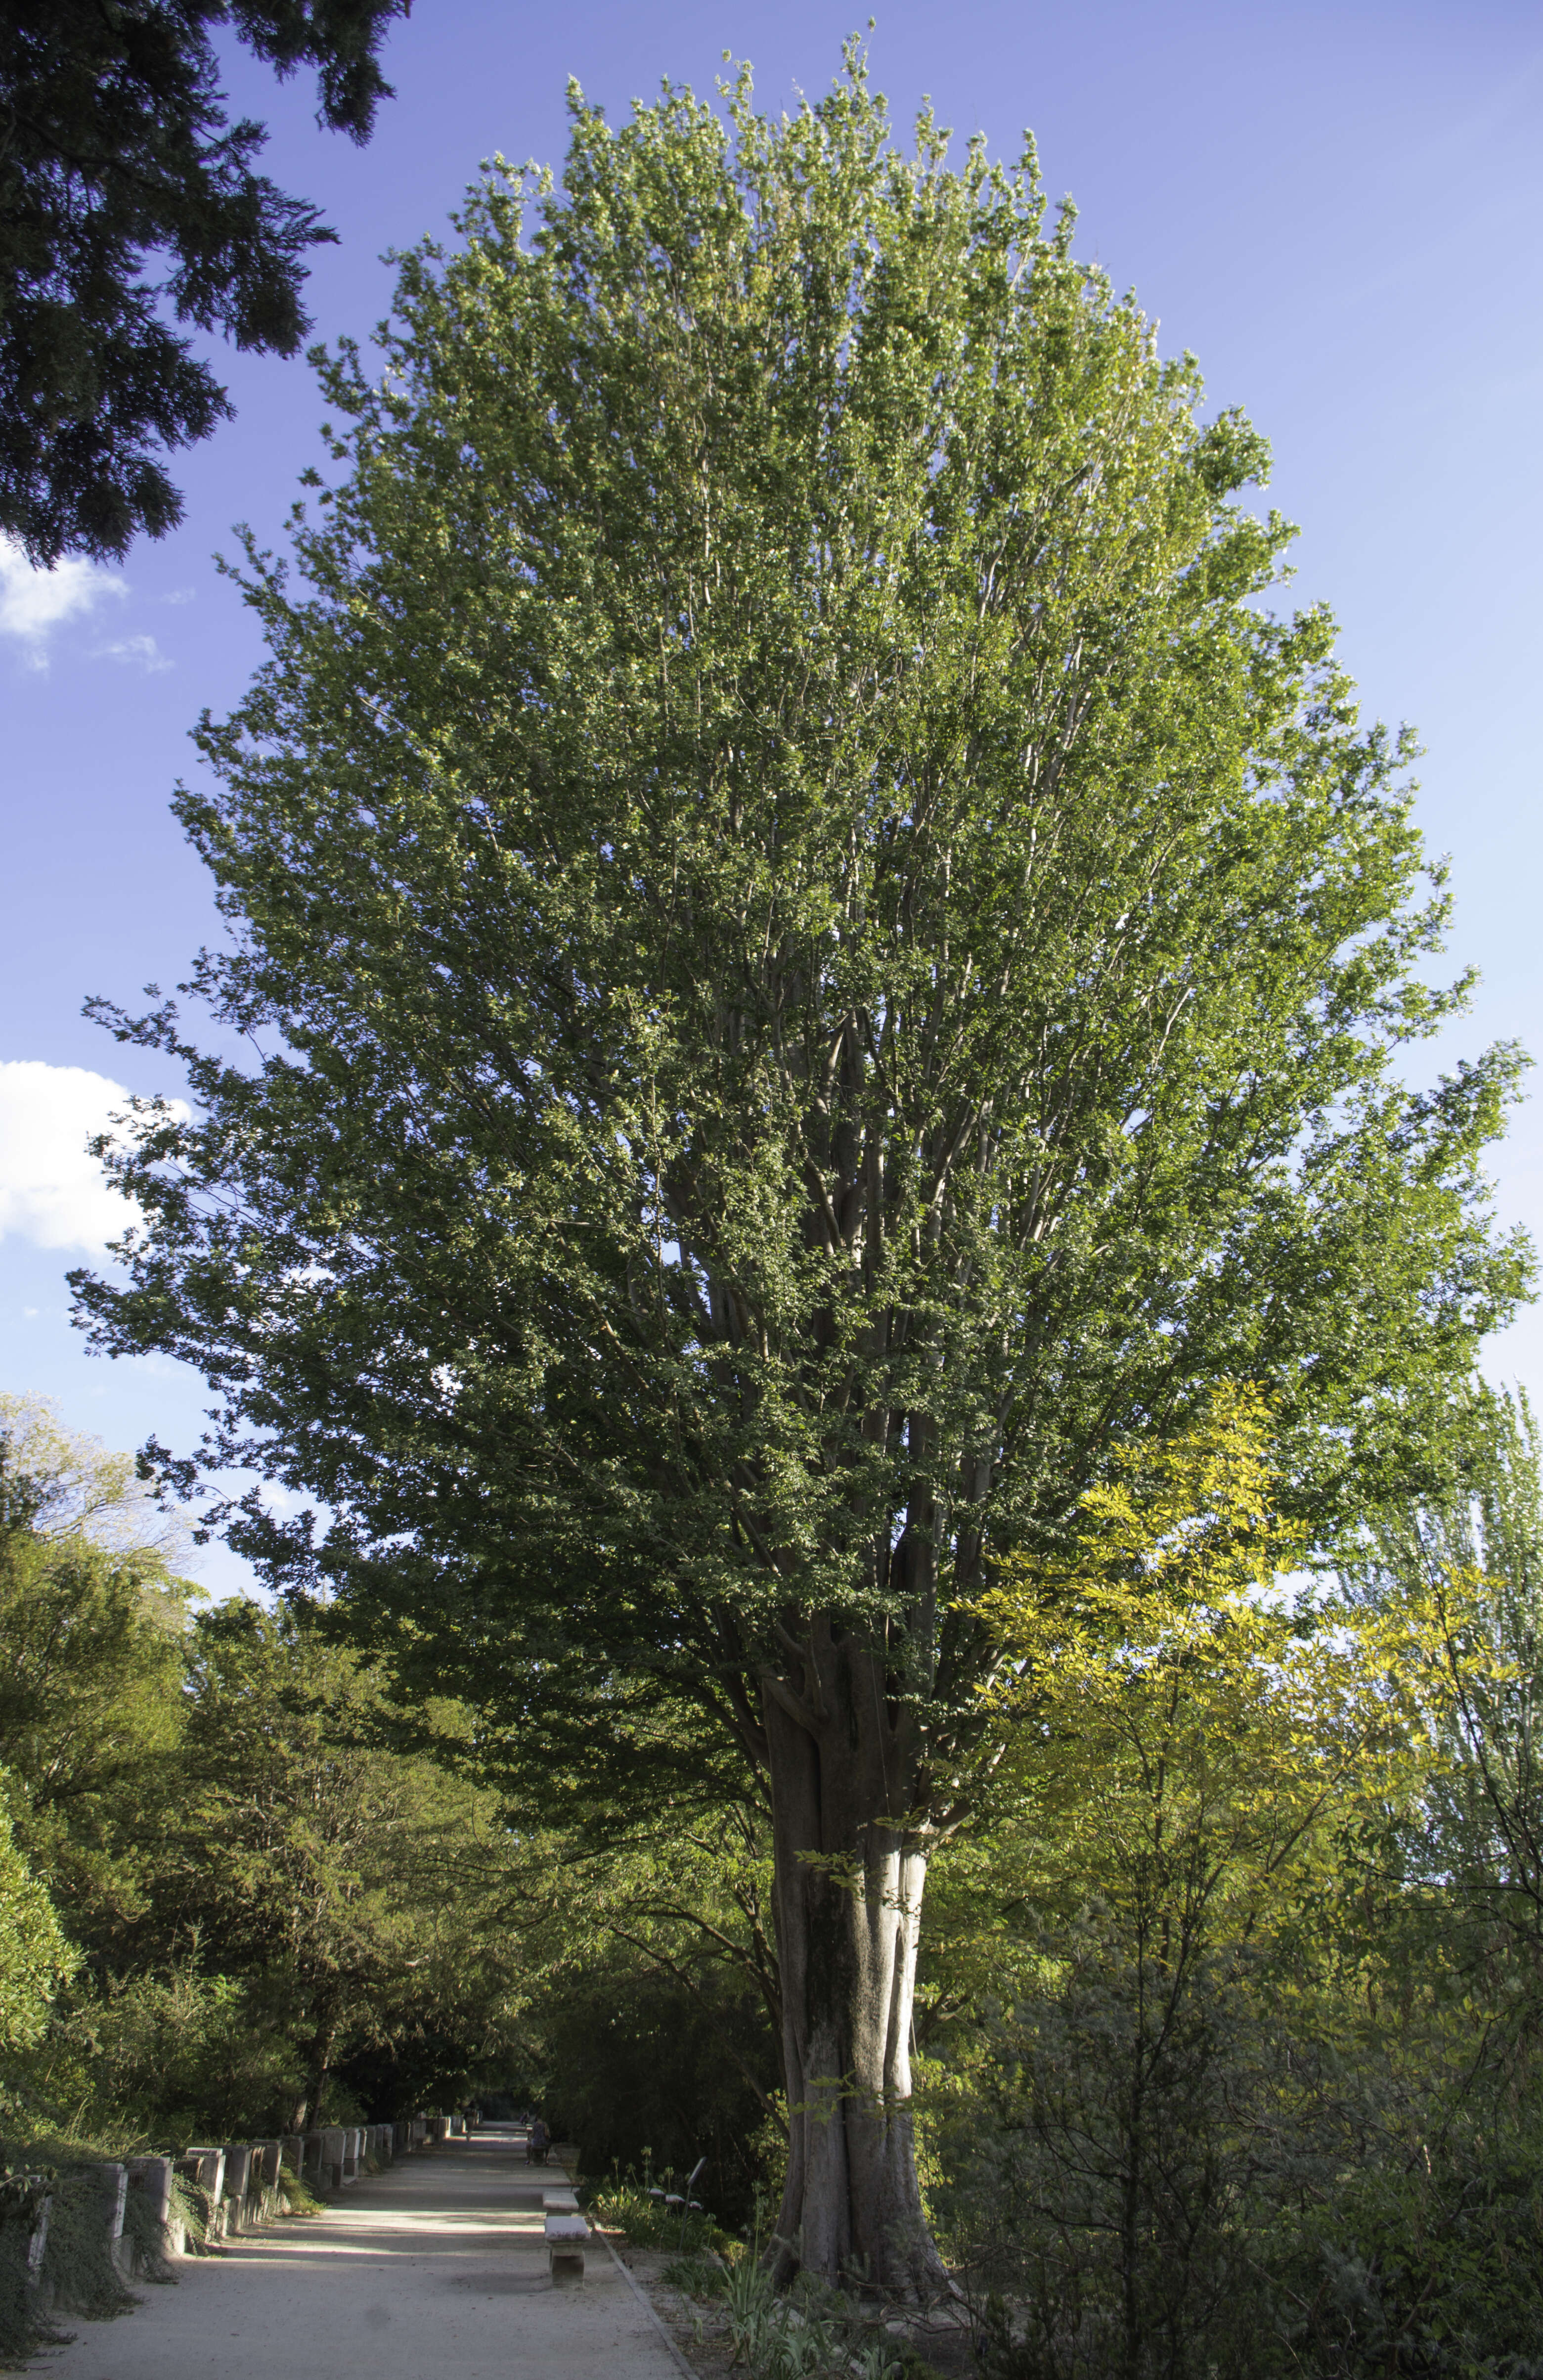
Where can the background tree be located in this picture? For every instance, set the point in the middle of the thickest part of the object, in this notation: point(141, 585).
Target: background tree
point(94, 1622)
point(346, 1887)
point(1476, 1556)
point(823, 966)
point(651, 1989)
point(1250, 2097)
point(116, 150)
point(35, 1959)
point(253, 1882)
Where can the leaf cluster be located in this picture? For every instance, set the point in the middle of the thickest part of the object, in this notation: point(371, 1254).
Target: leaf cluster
point(117, 151)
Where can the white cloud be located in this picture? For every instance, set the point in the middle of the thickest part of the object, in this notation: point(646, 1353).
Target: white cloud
point(143, 649)
point(35, 602)
point(51, 1192)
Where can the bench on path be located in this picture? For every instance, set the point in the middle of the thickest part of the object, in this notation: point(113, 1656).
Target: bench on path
point(567, 2235)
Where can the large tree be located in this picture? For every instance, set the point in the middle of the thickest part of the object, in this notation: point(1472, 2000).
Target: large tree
point(819, 963)
point(117, 156)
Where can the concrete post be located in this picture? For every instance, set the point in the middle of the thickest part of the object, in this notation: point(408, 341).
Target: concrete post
point(149, 2178)
point(239, 2174)
point(351, 2153)
point(37, 2239)
point(311, 2151)
point(332, 2139)
point(111, 2182)
point(267, 2160)
point(207, 2168)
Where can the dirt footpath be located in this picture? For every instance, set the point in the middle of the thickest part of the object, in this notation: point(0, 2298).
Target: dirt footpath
point(438, 2266)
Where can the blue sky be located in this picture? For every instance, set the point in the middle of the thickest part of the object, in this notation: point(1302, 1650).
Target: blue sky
point(1340, 210)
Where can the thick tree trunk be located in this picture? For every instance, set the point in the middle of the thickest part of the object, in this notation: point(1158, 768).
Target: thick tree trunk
point(850, 1865)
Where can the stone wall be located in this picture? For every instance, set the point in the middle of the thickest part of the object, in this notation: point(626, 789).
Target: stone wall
point(236, 2187)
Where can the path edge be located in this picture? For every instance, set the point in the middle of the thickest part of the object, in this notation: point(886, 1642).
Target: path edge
point(639, 2292)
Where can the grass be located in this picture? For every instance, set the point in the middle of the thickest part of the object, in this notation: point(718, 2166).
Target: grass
point(299, 2198)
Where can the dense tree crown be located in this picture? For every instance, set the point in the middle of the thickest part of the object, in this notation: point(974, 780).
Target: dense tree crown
point(824, 960)
point(823, 966)
point(116, 149)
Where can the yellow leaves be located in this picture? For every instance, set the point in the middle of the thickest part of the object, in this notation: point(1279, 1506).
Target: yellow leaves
point(1179, 1732)
point(1191, 1525)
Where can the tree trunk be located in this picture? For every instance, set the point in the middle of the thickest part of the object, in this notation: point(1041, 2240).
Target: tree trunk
point(850, 1864)
point(318, 2062)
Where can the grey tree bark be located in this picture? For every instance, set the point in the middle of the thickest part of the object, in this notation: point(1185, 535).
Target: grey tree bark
point(850, 1865)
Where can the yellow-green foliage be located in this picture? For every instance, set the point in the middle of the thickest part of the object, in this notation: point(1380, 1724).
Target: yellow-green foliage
point(94, 1620)
point(1175, 1722)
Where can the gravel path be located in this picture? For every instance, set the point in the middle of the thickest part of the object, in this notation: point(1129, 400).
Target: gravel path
point(436, 2266)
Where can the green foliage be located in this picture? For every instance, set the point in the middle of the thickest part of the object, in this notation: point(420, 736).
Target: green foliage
point(652, 2010)
point(262, 1882)
point(35, 1959)
point(1475, 1560)
point(313, 1859)
point(297, 2199)
point(826, 964)
point(175, 2055)
point(810, 2334)
point(623, 2203)
point(636, 2059)
point(1260, 2100)
point(93, 1619)
point(118, 151)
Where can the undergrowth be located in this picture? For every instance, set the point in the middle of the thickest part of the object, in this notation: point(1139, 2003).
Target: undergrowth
point(808, 2333)
point(623, 2203)
point(297, 2196)
point(77, 2275)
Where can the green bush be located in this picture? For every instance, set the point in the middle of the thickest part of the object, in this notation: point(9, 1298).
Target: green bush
point(35, 1959)
point(1268, 2181)
point(175, 2056)
point(623, 2204)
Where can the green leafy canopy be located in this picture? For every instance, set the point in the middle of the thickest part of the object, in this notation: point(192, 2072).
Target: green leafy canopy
point(820, 960)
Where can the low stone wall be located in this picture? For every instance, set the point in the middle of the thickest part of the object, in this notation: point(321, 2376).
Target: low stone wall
point(236, 2184)
point(237, 2187)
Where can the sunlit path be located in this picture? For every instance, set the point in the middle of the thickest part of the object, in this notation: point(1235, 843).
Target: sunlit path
point(437, 2266)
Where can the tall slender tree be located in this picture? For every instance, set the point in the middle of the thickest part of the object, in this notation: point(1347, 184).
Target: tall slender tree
point(819, 964)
